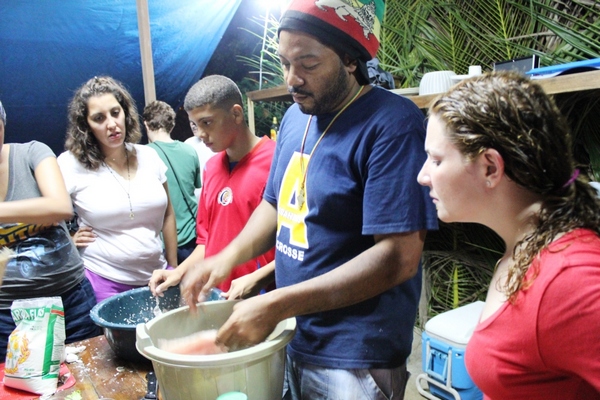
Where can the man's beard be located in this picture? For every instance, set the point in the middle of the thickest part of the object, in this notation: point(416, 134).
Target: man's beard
point(331, 98)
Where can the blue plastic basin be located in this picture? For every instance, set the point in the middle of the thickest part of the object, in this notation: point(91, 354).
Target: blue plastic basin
point(119, 315)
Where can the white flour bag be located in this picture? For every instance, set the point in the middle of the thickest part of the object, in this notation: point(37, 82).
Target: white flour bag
point(36, 346)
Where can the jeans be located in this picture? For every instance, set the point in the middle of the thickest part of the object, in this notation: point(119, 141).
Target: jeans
point(185, 250)
point(310, 382)
point(77, 304)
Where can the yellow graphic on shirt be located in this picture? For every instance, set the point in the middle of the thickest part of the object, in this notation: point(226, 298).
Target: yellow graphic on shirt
point(292, 203)
point(13, 233)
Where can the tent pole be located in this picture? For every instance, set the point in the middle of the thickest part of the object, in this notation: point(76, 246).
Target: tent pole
point(262, 50)
point(146, 50)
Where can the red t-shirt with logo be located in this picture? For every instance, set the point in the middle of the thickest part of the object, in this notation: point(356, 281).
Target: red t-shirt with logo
point(227, 200)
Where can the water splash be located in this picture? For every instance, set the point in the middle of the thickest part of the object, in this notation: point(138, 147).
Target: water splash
point(156, 310)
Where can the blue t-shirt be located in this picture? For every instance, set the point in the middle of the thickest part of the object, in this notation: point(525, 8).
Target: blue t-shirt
point(361, 181)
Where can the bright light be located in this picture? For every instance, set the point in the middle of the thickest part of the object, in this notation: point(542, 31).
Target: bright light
point(269, 5)
point(275, 4)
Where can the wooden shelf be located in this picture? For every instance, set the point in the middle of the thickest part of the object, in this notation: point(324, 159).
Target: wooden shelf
point(278, 93)
point(571, 83)
point(555, 85)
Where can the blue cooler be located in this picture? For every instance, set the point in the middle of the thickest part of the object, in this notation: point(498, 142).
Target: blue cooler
point(443, 345)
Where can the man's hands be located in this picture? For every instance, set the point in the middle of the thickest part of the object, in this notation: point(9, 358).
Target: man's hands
point(242, 288)
point(201, 278)
point(251, 284)
point(250, 323)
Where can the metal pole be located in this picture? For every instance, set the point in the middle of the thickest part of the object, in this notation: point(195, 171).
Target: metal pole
point(262, 50)
point(146, 50)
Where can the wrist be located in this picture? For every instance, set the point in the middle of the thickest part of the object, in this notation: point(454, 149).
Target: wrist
point(278, 304)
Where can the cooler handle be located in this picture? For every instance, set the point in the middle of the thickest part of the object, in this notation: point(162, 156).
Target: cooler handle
point(432, 354)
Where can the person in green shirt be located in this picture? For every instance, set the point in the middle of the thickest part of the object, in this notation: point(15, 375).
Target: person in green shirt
point(183, 174)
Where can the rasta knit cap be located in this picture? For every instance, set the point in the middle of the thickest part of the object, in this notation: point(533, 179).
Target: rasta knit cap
point(350, 27)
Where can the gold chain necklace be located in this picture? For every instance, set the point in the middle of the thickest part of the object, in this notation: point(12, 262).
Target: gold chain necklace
point(131, 215)
point(301, 193)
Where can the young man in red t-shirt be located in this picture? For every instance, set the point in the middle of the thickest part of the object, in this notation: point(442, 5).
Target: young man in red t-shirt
point(233, 180)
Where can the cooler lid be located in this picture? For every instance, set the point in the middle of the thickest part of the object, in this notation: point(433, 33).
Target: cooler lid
point(456, 325)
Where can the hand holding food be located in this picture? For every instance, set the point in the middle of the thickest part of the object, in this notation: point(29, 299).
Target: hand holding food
point(251, 322)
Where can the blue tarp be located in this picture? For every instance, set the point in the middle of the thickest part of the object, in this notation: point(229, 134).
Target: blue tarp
point(48, 48)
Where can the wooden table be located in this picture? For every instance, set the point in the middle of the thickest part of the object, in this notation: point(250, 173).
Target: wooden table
point(102, 375)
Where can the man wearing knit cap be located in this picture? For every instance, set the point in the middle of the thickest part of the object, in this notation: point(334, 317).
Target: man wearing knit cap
point(344, 209)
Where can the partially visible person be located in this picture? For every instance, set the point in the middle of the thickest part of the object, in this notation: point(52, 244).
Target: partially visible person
point(500, 154)
point(182, 129)
point(183, 173)
point(119, 190)
point(234, 179)
point(346, 214)
point(34, 205)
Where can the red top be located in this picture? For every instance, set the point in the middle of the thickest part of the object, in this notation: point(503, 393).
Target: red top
point(228, 199)
point(546, 345)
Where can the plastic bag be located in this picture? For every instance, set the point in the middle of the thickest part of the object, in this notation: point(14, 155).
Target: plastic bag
point(36, 346)
point(378, 76)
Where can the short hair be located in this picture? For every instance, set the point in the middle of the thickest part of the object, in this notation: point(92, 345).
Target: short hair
point(80, 140)
point(159, 115)
point(214, 90)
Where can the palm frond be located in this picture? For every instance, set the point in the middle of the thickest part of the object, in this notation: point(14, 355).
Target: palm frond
point(433, 35)
point(266, 69)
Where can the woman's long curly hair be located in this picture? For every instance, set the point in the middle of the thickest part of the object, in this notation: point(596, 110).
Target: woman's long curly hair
point(80, 139)
point(510, 113)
